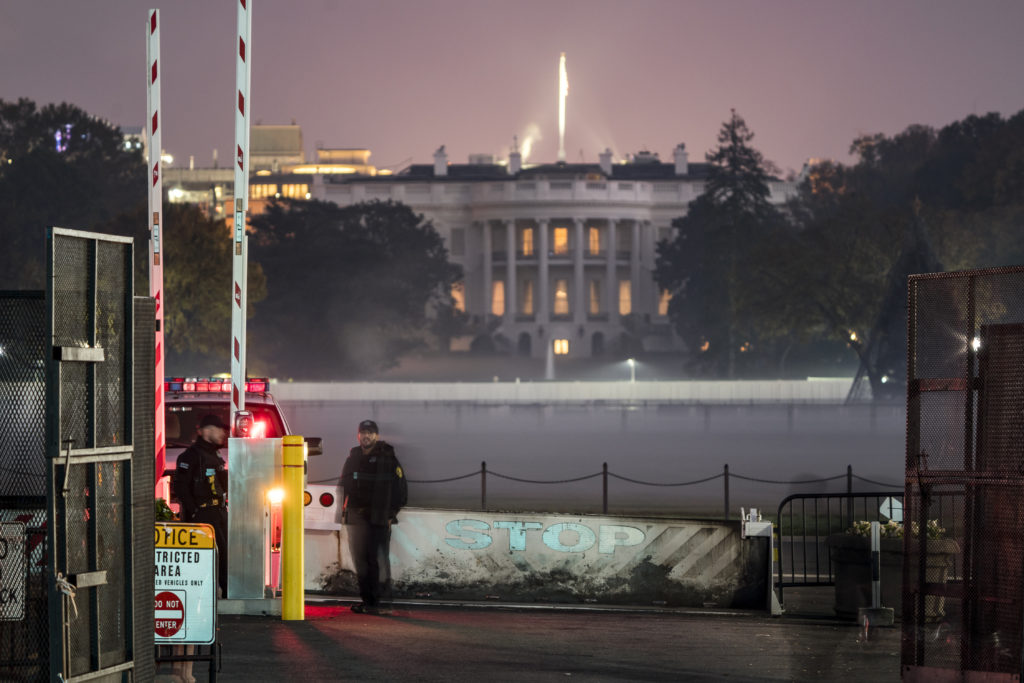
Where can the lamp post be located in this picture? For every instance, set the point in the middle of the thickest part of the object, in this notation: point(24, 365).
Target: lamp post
point(632, 371)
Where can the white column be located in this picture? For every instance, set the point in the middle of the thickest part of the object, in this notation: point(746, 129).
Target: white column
point(612, 306)
point(579, 307)
point(510, 277)
point(543, 306)
point(634, 269)
point(488, 269)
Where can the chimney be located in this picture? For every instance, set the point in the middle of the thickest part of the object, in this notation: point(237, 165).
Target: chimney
point(515, 162)
point(682, 159)
point(606, 161)
point(440, 162)
point(515, 157)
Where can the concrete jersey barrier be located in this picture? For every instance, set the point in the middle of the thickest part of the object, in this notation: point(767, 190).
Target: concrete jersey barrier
point(473, 555)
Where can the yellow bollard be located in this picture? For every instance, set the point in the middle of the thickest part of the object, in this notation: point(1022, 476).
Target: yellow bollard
point(292, 546)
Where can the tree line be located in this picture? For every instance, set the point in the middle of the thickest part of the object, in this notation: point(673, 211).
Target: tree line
point(760, 289)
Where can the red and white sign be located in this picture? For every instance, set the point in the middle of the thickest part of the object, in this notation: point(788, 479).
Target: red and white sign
point(169, 613)
point(185, 583)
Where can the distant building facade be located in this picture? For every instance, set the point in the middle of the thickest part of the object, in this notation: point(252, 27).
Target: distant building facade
point(555, 256)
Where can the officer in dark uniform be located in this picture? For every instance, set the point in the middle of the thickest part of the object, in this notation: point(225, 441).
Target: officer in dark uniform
point(200, 484)
point(374, 490)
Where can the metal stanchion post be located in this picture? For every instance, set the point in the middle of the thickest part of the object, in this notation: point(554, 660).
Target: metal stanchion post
point(604, 499)
point(293, 594)
point(726, 491)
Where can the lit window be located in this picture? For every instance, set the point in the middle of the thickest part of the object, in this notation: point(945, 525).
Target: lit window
point(625, 297)
point(295, 191)
point(666, 296)
point(528, 297)
point(498, 297)
point(561, 239)
point(595, 241)
point(459, 295)
point(527, 241)
point(561, 297)
point(595, 297)
point(560, 347)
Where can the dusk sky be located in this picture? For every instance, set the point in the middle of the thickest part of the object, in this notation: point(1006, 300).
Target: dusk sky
point(402, 78)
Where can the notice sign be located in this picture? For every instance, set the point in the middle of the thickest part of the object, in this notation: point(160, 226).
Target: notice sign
point(185, 607)
point(13, 571)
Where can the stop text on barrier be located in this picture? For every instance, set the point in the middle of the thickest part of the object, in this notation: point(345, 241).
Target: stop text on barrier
point(472, 534)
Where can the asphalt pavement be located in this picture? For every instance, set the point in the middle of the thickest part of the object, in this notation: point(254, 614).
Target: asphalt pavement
point(433, 641)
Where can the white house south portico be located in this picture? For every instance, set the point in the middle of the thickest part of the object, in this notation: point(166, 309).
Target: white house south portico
point(556, 255)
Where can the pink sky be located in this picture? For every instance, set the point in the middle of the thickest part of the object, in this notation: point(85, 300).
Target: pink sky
point(402, 78)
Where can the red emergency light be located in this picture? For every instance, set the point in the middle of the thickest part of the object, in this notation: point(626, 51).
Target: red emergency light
point(201, 385)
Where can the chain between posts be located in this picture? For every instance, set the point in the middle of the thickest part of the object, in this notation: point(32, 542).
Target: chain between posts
point(605, 474)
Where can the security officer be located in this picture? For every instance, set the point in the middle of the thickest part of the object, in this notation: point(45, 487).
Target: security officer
point(374, 490)
point(200, 484)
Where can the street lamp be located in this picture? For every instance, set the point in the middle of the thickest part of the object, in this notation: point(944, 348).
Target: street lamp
point(632, 371)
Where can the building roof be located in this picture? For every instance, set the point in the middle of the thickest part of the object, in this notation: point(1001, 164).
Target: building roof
point(560, 170)
point(271, 140)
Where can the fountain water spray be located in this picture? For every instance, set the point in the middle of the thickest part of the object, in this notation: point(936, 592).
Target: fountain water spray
point(563, 90)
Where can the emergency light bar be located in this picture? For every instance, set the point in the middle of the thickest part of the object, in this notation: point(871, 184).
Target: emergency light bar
point(258, 385)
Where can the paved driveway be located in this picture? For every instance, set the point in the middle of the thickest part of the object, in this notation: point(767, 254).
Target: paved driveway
point(544, 643)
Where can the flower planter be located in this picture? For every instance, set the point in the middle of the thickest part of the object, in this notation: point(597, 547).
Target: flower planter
point(851, 562)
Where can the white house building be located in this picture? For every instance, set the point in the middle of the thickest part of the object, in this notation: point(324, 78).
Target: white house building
point(555, 255)
point(558, 254)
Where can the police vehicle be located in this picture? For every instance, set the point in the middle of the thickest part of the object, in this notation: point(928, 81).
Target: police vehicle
point(188, 399)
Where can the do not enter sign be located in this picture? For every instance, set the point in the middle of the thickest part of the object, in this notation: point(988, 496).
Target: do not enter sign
point(185, 583)
point(169, 612)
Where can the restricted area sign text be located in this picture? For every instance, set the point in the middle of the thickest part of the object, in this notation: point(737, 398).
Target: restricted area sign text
point(185, 600)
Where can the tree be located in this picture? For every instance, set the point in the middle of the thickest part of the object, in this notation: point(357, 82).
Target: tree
point(350, 289)
point(910, 204)
point(59, 166)
point(197, 253)
point(704, 266)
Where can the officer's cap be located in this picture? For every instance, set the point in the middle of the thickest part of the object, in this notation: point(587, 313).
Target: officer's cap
point(212, 420)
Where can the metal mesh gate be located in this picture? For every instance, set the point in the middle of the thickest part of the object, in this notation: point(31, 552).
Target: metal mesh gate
point(963, 604)
point(89, 444)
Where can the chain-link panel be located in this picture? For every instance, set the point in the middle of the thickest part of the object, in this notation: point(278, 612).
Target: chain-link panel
point(75, 428)
point(964, 581)
point(111, 537)
point(73, 270)
point(938, 316)
point(22, 394)
point(73, 524)
point(112, 388)
point(73, 285)
point(142, 483)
